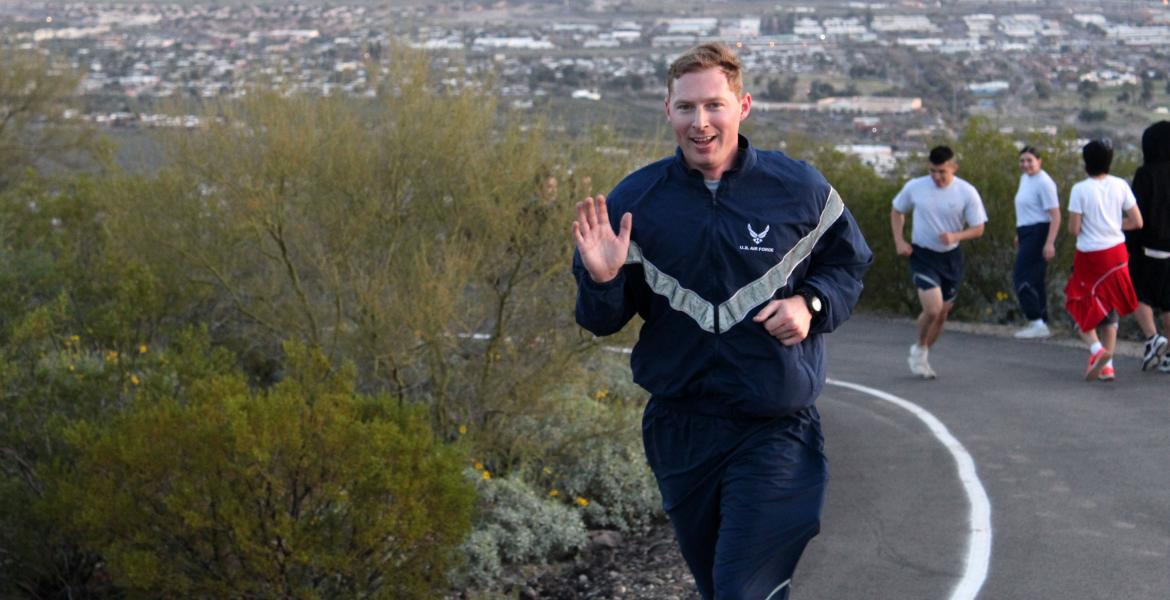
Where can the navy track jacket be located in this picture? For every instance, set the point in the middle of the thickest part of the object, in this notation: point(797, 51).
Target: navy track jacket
point(701, 266)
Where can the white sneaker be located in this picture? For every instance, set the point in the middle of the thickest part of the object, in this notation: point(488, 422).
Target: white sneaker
point(915, 360)
point(927, 372)
point(1164, 367)
point(918, 364)
point(1034, 330)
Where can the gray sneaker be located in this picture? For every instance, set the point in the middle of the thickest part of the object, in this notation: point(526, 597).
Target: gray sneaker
point(1155, 350)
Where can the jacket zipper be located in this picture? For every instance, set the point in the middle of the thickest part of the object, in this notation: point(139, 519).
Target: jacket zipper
point(714, 238)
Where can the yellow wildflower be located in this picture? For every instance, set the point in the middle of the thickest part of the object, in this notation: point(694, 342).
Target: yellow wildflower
point(487, 475)
point(553, 493)
point(582, 501)
point(135, 380)
point(462, 429)
point(548, 471)
point(601, 394)
point(71, 369)
point(142, 348)
point(111, 356)
point(478, 466)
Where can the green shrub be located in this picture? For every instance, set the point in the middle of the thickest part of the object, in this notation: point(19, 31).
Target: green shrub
point(589, 450)
point(288, 492)
point(515, 525)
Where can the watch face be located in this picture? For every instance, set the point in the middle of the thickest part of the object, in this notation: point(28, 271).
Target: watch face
point(815, 303)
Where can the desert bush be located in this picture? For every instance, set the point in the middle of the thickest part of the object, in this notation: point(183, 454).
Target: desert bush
point(405, 235)
point(77, 336)
point(227, 492)
point(588, 452)
point(515, 525)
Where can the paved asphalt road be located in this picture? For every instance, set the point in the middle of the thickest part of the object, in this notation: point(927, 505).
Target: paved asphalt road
point(1077, 473)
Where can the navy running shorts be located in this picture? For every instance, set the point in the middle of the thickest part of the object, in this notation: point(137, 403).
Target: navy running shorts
point(943, 270)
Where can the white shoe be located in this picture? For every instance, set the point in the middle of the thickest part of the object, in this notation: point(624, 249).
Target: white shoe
point(927, 372)
point(915, 360)
point(918, 364)
point(1034, 330)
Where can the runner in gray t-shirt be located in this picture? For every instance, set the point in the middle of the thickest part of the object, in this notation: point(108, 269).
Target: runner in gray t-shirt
point(947, 210)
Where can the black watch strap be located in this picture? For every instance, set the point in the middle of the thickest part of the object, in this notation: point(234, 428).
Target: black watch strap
point(815, 304)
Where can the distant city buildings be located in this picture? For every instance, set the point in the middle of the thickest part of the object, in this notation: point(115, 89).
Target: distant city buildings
point(923, 64)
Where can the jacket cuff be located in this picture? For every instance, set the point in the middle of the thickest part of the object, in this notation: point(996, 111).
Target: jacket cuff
point(588, 283)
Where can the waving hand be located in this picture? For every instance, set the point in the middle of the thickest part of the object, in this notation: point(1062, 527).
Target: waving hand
point(602, 252)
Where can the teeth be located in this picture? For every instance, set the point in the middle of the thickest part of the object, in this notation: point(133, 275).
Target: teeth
point(703, 140)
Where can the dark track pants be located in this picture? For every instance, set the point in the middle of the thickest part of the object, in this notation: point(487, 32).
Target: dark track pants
point(1028, 274)
point(744, 495)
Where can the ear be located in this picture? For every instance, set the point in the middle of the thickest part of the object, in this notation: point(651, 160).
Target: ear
point(745, 105)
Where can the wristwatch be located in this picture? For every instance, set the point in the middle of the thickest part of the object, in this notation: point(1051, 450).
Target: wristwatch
point(815, 307)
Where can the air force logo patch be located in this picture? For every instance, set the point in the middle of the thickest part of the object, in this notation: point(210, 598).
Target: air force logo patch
point(757, 239)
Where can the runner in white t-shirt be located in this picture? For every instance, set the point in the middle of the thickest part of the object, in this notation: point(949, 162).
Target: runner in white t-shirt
point(1101, 203)
point(1100, 290)
point(946, 210)
point(1037, 223)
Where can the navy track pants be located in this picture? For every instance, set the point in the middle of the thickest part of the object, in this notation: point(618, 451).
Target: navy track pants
point(1028, 274)
point(744, 495)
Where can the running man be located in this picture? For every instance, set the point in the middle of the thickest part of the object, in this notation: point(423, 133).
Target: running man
point(738, 260)
point(946, 210)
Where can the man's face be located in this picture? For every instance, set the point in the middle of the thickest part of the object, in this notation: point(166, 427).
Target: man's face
point(1029, 164)
point(942, 175)
point(705, 115)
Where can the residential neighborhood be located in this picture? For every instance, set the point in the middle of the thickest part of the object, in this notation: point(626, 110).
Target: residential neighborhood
point(864, 73)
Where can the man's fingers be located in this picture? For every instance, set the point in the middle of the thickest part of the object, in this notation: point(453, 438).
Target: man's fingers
point(582, 218)
point(602, 212)
point(627, 226)
point(766, 312)
point(590, 213)
point(577, 236)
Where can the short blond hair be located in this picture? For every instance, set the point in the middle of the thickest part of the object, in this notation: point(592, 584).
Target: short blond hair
point(708, 56)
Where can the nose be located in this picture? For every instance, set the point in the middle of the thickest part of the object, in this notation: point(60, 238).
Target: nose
point(700, 120)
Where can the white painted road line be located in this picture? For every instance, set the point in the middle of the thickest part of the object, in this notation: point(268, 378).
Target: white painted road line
point(979, 521)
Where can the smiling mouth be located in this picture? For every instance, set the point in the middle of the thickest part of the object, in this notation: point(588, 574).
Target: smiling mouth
point(702, 141)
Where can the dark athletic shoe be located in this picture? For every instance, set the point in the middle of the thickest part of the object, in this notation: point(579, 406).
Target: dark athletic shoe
point(1155, 349)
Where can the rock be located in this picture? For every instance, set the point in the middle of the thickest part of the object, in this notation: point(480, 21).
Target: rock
point(607, 539)
point(638, 565)
point(529, 594)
